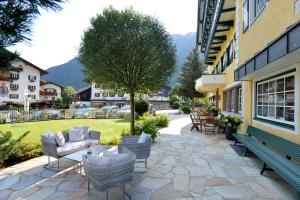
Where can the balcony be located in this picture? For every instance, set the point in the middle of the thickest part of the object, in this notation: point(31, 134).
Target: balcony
point(44, 93)
point(210, 83)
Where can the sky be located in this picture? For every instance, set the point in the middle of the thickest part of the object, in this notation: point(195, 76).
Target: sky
point(56, 36)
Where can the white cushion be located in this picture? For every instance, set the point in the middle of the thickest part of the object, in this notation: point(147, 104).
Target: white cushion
point(48, 137)
point(76, 135)
point(120, 159)
point(71, 147)
point(143, 138)
point(100, 161)
point(60, 139)
point(86, 131)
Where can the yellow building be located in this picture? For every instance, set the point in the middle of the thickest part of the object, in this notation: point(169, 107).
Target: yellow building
point(252, 51)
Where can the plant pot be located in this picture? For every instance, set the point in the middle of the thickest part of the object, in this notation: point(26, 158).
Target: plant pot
point(229, 132)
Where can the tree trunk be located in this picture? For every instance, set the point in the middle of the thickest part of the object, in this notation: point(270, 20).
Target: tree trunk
point(132, 113)
point(193, 103)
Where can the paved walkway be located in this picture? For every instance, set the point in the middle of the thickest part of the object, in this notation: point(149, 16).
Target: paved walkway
point(183, 165)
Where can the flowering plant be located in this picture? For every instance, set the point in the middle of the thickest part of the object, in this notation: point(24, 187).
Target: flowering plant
point(230, 121)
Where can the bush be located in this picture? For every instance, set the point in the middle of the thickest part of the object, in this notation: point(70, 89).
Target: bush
point(24, 151)
point(112, 140)
point(148, 125)
point(2, 120)
point(162, 120)
point(186, 109)
point(141, 106)
point(176, 105)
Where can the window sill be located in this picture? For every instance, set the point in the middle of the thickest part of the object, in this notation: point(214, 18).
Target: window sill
point(278, 124)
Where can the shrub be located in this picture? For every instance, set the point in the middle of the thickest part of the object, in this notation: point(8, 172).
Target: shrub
point(2, 120)
point(141, 106)
point(231, 121)
point(162, 120)
point(176, 105)
point(186, 109)
point(111, 140)
point(24, 151)
point(19, 118)
point(148, 125)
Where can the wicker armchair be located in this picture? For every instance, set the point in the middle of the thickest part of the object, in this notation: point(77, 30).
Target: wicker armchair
point(52, 150)
point(104, 178)
point(141, 150)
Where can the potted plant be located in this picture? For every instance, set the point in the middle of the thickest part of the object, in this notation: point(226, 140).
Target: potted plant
point(231, 123)
point(213, 110)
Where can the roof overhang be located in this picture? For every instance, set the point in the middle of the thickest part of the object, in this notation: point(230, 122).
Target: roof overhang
point(210, 83)
point(282, 52)
point(215, 18)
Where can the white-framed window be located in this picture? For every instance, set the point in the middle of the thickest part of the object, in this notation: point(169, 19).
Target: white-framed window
point(275, 99)
point(251, 10)
point(32, 96)
point(245, 15)
point(97, 94)
point(13, 96)
point(240, 101)
point(14, 76)
point(13, 86)
point(232, 100)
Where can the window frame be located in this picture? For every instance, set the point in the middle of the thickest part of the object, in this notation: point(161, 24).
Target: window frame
point(246, 3)
point(282, 123)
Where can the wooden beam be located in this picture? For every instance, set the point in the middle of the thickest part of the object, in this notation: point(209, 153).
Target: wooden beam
point(209, 63)
point(221, 37)
point(211, 57)
point(218, 42)
point(222, 30)
point(228, 10)
point(216, 48)
point(228, 23)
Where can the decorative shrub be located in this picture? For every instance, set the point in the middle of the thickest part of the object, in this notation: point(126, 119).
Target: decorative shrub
point(162, 120)
point(148, 125)
point(141, 106)
point(2, 120)
point(176, 105)
point(186, 109)
point(24, 151)
point(231, 121)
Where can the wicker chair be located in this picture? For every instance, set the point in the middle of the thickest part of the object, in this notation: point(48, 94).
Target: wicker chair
point(108, 177)
point(141, 150)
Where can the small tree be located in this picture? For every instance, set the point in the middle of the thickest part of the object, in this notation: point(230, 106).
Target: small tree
point(192, 69)
point(16, 18)
point(7, 144)
point(141, 107)
point(129, 51)
point(66, 96)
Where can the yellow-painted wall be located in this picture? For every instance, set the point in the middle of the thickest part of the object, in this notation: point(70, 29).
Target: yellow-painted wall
point(271, 23)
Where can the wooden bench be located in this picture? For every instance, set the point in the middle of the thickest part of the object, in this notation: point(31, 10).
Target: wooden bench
point(278, 154)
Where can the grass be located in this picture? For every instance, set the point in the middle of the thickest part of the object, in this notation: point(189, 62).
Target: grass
point(111, 129)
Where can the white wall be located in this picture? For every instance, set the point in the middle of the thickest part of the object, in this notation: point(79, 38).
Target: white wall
point(50, 85)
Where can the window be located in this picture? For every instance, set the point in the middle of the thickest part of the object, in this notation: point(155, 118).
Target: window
point(14, 76)
point(97, 94)
point(104, 94)
point(50, 90)
point(14, 86)
point(233, 100)
point(32, 96)
point(275, 99)
point(31, 87)
point(259, 6)
point(13, 96)
point(31, 78)
point(229, 53)
point(245, 15)
point(240, 101)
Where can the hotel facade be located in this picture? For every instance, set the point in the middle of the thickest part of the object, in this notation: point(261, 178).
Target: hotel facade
point(252, 50)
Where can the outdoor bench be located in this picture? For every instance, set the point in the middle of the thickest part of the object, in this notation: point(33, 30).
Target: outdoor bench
point(277, 154)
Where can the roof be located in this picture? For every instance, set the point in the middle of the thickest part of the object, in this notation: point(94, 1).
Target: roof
point(43, 72)
point(50, 82)
point(82, 89)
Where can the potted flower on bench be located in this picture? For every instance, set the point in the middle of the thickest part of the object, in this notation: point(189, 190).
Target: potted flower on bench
point(231, 123)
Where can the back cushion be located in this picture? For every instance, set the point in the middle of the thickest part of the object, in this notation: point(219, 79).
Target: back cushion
point(76, 135)
point(85, 129)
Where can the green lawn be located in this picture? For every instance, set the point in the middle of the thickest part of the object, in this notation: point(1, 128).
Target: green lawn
point(110, 128)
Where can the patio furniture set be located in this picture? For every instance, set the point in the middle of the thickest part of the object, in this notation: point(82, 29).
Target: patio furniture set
point(105, 167)
point(201, 118)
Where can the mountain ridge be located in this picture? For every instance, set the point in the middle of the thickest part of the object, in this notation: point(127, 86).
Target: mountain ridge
point(70, 73)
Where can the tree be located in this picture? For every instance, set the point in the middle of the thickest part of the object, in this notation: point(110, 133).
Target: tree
point(16, 18)
point(129, 51)
point(141, 106)
point(192, 69)
point(66, 96)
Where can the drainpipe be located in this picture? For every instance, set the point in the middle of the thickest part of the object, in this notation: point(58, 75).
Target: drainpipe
point(217, 99)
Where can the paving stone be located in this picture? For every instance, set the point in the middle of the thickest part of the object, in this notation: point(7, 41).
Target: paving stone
point(50, 182)
point(5, 193)
point(199, 171)
point(165, 169)
point(43, 193)
point(239, 191)
point(23, 193)
point(26, 181)
point(154, 183)
point(180, 170)
point(197, 184)
point(165, 193)
point(217, 181)
point(181, 183)
point(169, 160)
point(218, 171)
point(9, 181)
point(70, 186)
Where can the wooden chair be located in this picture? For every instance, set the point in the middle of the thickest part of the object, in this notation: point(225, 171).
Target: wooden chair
point(210, 124)
point(195, 122)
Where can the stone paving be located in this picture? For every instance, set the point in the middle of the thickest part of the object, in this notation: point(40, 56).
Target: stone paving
point(184, 165)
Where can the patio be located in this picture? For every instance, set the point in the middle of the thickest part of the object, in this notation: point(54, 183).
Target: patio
point(182, 165)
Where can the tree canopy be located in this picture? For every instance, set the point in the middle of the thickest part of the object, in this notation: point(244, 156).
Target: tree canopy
point(66, 98)
point(127, 51)
point(192, 69)
point(16, 18)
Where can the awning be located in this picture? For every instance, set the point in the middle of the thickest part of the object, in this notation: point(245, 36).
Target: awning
point(210, 83)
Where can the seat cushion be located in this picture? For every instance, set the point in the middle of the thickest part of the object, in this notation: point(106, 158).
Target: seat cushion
point(85, 129)
point(48, 137)
point(60, 139)
point(143, 138)
point(99, 161)
point(71, 147)
point(76, 135)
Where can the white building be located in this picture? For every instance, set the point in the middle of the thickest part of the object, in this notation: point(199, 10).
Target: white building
point(21, 77)
point(50, 91)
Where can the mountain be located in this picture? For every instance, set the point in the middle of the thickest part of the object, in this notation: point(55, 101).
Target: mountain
point(71, 74)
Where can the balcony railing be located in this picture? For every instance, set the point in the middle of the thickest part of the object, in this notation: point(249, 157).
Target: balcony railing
point(48, 93)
